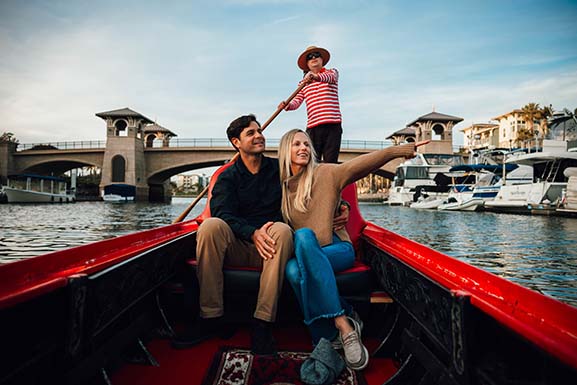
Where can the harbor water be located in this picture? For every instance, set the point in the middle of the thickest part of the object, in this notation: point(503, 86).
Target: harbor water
point(537, 252)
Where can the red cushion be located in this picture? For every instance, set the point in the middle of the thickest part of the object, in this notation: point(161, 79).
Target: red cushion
point(358, 267)
point(356, 222)
point(206, 212)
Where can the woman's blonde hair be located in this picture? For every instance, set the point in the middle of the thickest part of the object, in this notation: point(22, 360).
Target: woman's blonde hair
point(303, 194)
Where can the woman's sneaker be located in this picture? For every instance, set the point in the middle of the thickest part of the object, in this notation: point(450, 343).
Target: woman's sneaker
point(337, 342)
point(356, 354)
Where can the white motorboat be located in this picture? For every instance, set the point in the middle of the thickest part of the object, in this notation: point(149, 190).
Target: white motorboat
point(545, 192)
point(31, 188)
point(569, 199)
point(416, 176)
point(488, 179)
point(427, 202)
point(471, 204)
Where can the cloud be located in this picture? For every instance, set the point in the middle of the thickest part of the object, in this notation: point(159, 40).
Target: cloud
point(195, 67)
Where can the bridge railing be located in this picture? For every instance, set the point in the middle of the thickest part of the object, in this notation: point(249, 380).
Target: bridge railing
point(218, 142)
point(201, 142)
point(196, 142)
point(77, 145)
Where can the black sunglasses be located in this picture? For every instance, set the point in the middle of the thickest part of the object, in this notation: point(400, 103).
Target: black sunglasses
point(313, 55)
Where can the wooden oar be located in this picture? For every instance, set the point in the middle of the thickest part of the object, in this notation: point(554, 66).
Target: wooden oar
point(205, 190)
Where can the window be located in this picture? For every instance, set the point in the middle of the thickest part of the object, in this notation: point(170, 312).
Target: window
point(438, 132)
point(118, 168)
point(121, 128)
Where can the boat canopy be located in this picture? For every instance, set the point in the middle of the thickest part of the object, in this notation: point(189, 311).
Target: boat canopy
point(494, 168)
point(124, 190)
point(539, 157)
point(35, 176)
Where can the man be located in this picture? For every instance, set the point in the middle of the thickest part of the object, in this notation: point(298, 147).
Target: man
point(321, 95)
point(246, 229)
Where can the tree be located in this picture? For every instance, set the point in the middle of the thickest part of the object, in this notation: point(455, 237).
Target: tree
point(531, 111)
point(546, 113)
point(8, 137)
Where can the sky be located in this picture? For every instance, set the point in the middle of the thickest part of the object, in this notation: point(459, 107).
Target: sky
point(193, 66)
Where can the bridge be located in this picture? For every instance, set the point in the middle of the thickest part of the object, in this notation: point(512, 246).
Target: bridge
point(161, 160)
point(139, 152)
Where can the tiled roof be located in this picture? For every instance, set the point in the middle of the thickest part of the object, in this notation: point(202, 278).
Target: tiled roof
point(436, 117)
point(123, 113)
point(407, 131)
point(154, 127)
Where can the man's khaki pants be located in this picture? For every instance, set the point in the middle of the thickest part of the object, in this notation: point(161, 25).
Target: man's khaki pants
point(217, 245)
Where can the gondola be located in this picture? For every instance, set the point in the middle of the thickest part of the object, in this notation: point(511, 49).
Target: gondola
point(105, 312)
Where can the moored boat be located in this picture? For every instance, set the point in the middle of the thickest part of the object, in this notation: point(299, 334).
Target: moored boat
point(488, 179)
point(418, 175)
point(31, 188)
point(568, 204)
point(545, 193)
point(426, 202)
point(73, 316)
point(119, 192)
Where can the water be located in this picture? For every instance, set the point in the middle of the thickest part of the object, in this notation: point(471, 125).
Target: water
point(537, 252)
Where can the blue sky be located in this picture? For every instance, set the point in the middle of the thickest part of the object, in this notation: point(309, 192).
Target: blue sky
point(196, 65)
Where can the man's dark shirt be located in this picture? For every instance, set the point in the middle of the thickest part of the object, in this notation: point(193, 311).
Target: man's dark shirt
point(246, 201)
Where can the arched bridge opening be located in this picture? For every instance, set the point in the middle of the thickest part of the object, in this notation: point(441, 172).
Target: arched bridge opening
point(159, 182)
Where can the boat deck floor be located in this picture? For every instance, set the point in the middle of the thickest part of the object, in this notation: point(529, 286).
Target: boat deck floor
point(189, 366)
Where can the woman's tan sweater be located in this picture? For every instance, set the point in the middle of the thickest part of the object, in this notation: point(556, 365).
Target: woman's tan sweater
point(328, 181)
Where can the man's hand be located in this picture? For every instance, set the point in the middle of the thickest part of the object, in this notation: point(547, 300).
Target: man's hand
point(341, 218)
point(263, 242)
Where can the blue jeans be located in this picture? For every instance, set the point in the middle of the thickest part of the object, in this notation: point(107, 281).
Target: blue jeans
point(312, 277)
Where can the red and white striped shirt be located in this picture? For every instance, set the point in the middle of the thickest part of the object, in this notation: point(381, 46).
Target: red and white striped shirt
point(321, 98)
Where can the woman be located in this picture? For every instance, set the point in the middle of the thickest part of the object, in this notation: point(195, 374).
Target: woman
point(310, 195)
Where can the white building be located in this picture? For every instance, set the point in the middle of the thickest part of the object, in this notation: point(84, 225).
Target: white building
point(509, 125)
point(191, 181)
point(481, 135)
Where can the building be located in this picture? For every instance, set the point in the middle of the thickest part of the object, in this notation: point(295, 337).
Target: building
point(515, 131)
point(157, 136)
point(438, 128)
point(405, 135)
point(191, 182)
point(480, 136)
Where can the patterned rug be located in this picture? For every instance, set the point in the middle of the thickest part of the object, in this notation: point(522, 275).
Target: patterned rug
point(237, 366)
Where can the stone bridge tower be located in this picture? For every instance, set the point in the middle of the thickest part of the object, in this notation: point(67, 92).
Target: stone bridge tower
point(438, 128)
point(7, 150)
point(124, 161)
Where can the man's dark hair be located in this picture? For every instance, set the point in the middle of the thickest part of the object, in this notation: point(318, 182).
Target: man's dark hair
point(236, 126)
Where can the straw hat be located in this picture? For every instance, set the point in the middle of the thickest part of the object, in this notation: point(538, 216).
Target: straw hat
point(302, 61)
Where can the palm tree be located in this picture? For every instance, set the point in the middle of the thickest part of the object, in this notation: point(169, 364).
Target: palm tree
point(546, 113)
point(530, 112)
